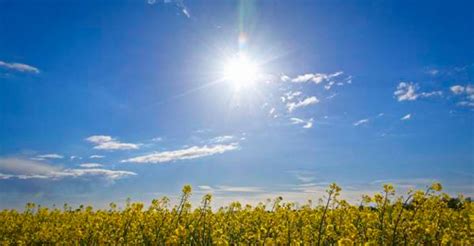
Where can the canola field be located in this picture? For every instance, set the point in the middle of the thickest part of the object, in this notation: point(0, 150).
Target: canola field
point(424, 217)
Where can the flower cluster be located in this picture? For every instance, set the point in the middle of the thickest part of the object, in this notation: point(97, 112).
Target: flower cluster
point(419, 218)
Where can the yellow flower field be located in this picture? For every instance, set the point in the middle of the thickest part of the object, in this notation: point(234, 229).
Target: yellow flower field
point(426, 217)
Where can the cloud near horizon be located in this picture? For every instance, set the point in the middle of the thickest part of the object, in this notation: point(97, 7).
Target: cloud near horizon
point(17, 168)
point(230, 189)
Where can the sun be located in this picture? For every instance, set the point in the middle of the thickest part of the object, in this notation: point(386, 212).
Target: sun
point(241, 71)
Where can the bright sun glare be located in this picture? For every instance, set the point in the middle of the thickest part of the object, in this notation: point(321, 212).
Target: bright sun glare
point(241, 71)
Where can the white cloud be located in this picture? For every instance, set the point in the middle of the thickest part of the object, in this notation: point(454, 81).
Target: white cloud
point(296, 121)
point(204, 187)
point(360, 122)
point(73, 157)
point(433, 72)
point(99, 172)
point(307, 101)
point(349, 79)
point(243, 189)
point(470, 89)
point(312, 77)
point(306, 123)
point(304, 175)
point(430, 94)
point(91, 165)
point(406, 117)
point(407, 91)
point(50, 156)
point(307, 77)
point(114, 145)
point(47, 156)
point(230, 189)
point(20, 67)
point(26, 169)
point(466, 92)
point(96, 156)
point(457, 89)
point(329, 85)
point(331, 96)
point(184, 154)
point(285, 78)
point(16, 166)
point(272, 111)
point(290, 95)
point(104, 142)
point(157, 139)
point(222, 139)
point(466, 103)
point(99, 139)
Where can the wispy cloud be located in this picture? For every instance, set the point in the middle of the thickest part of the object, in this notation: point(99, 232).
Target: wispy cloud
point(361, 122)
point(272, 112)
point(406, 183)
point(104, 142)
point(406, 117)
point(304, 176)
point(157, 139)
point(466, 93)
point(16, 168)
point(184, 154)
point(306, 123)
point(407, 91)
point(331, 96)
point(230, 189)
point(466, 103)
point(178, 3)
point(47, 156)
point(96, 156)
point(222, 139)
point(91, 165)
point(307, 189)
point(290, 95)
point(311, 77)
point(19, 67)
point(306, 102)
point(433, 72)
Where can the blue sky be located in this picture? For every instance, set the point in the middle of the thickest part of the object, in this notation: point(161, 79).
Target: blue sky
point(100, 101)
